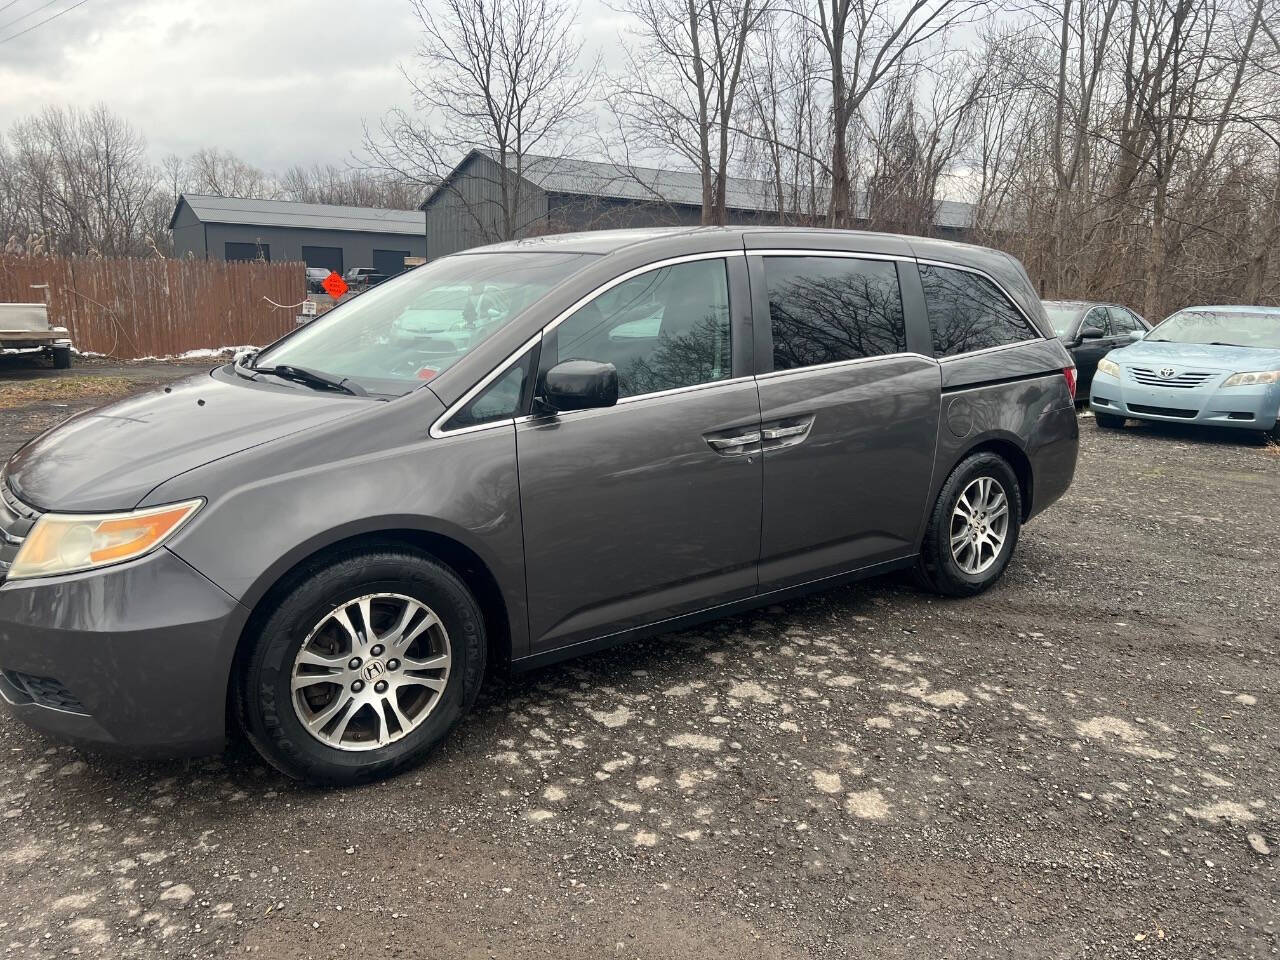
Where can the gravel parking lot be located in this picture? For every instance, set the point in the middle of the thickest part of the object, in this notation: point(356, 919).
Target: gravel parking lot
point(1082, 762)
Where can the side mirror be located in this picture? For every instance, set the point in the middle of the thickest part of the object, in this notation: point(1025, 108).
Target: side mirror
point(1091, 332)
point(1136, 335)
point(579, 385)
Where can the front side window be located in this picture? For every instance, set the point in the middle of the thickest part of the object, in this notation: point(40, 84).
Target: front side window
point(1122, 321)
point(408, 330)
point(663, 329)
point(968, 312)
point(1097, 318)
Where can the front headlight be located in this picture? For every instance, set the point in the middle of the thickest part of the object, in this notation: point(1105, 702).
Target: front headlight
point(1252, 379)
point(1109, 367)
point(68, 542)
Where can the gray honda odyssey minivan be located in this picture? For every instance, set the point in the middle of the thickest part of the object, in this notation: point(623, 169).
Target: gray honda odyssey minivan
point(514, 455)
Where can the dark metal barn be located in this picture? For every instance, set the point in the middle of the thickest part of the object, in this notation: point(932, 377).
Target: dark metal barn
point(332, 237)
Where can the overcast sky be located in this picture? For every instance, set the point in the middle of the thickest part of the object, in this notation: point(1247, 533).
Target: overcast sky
point(276, 81)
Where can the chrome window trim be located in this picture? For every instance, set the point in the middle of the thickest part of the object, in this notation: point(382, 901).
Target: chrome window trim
point(692, 388)
point(837, 364)
point(437, 430)
point(977, 353)
point(814, 252)
point(624, 401)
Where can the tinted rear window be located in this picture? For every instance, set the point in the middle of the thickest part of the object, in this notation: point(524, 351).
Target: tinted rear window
point(828, 309)
point(968, 312)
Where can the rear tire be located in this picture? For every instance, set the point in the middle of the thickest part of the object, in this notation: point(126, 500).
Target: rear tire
point(960, 556)
point(1108, 421)
point(400, 682)
point(61, 358)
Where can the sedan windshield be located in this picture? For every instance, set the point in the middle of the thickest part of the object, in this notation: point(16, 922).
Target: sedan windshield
point(406, 331)
point(1062, 316)
point(1235, 328)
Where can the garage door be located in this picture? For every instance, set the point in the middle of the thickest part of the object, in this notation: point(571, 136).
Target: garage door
point(330, 258)
point(389, 262)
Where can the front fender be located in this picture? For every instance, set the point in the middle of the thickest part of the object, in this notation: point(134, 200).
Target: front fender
point(262, 519)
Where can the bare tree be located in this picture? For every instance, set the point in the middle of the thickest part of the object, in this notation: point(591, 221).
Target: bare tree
point(349, 186)
point(221, 173)
point(916, 142)
point(78, 182)
point(865, 41)
point(680, 88)
point(504, 77)
point(785, 119)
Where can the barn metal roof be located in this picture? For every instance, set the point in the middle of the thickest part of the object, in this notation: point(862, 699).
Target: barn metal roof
point(624, 182)
point(310, 216)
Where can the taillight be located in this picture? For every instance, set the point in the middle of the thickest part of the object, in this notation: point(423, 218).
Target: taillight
point(1069, 374)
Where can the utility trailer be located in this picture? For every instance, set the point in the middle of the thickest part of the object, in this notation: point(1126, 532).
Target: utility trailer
point(26, 326)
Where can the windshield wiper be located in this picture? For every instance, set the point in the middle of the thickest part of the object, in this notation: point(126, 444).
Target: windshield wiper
point(311, 378)
point(1220, 343)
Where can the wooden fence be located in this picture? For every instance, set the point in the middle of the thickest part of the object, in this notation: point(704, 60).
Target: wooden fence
point(141, 308)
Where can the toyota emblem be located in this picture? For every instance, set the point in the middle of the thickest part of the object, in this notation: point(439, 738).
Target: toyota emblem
point(1166, 373)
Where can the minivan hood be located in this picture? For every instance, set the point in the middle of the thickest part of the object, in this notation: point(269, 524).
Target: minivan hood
point(111, 457)
point(1233, 359)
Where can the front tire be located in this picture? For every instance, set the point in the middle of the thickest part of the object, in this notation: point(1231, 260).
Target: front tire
point(364, 664)
point(973, 528)
point(1108, 421)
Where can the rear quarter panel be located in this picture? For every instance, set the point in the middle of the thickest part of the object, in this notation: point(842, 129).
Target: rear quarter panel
point(1015, 395)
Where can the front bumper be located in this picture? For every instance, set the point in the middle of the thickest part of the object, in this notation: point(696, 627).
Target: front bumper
point(1209, 404)
point(136, 656)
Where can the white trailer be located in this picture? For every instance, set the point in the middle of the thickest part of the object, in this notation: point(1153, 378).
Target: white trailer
point(26, 325)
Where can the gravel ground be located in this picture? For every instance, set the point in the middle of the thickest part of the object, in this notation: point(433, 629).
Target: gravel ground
point(1080, 763)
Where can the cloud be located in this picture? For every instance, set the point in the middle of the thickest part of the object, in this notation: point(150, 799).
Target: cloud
point(276, 81)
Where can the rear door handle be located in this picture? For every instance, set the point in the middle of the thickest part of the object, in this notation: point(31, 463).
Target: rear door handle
point(781, 433)
point(785, 433)
point(736, 445)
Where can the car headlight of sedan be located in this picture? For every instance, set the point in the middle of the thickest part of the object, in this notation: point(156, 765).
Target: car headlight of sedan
point(1252, 379)
point(1109, 367)
point(69, 542)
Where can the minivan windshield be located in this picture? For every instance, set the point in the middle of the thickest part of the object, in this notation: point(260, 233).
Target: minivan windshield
point(1235, 328)
point(410, 329)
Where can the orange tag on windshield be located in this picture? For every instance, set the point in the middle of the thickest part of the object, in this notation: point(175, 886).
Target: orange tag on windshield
point(426, 373)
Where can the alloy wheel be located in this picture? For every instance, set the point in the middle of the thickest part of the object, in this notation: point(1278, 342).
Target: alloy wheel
point(979, 525)
point(370, 671)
